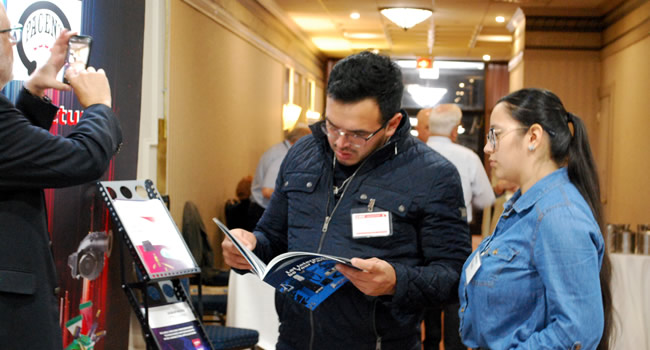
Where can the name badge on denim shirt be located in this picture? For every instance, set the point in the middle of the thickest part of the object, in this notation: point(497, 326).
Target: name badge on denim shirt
point(367, 224)
point(473, 266)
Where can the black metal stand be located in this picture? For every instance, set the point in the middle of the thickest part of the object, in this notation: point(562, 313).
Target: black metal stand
point(137, 291)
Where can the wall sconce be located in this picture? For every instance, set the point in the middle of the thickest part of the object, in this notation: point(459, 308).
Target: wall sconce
point(312, 115)
point(405, 17)
point(290, 111)
point(290, 115)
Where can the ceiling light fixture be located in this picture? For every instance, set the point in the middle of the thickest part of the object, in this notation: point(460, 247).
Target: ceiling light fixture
point(405, 17)
point(500, 19)
point(355, 15)
point(486, 58)
point(425, 96)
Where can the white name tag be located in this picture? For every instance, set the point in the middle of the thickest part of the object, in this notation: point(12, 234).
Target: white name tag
point(473, 266)
point(371, 224)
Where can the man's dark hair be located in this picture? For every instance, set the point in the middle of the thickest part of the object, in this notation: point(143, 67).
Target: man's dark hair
point(367, 75)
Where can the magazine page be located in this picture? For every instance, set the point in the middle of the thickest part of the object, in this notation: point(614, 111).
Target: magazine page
point(155, 237)
point(259, 267)
point(307, 278)
point(175, 327)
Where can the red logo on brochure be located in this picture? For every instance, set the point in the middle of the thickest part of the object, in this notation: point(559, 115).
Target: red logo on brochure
point(197, 343)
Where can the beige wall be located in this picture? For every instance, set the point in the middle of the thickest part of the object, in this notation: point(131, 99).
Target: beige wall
point(609, 90)
point(574, 76)
point(625, 77)
point(225, 103)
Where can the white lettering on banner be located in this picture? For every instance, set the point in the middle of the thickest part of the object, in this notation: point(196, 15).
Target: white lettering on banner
point(67, 116)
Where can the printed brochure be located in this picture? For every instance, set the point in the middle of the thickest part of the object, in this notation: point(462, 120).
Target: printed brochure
point(308, 277)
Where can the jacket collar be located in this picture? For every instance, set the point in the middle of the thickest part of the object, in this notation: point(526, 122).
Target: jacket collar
point(520, 202)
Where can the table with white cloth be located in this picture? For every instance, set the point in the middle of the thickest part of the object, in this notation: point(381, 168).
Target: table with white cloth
point(631, 300)
point(251, 305)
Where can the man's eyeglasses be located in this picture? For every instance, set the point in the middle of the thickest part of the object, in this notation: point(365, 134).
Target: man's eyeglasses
point(15, 33)
point(494, 134)
point(357, 139)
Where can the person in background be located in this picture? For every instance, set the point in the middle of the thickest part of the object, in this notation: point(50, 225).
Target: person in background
point(266, 173)
point(443, 131)
point(362, 157)
point(477, 191)
point(32, 159)
point(422, 127)
point(541, 280)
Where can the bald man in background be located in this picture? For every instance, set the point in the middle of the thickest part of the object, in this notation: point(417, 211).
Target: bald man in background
point(423, 124)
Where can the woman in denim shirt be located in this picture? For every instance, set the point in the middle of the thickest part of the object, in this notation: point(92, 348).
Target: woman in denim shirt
point(541, 280)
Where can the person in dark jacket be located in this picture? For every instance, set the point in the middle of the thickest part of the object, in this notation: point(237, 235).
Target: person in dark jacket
point(32, 159)
point(362, 158)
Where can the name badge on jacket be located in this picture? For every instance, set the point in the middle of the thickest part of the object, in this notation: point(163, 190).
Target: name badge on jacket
point(367, 224)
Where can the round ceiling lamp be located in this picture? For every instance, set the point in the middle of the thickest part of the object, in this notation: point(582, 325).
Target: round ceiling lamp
point(405, 17)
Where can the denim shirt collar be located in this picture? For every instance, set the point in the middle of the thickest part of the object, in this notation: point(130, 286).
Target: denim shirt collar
point(520, 202)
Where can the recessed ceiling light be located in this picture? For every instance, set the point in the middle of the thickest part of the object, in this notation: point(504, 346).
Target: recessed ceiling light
point(486, 58)
point(461, 85)
point(500, 19)
point(355, 15)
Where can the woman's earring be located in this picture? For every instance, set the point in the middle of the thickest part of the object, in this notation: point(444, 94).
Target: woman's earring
point(531, 148)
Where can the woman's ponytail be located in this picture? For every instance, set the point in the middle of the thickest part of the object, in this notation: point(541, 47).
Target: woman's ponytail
point(582, 173)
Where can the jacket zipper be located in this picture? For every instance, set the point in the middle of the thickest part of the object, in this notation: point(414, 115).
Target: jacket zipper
point(320, 246)
point(311, 335)
point(374, 325)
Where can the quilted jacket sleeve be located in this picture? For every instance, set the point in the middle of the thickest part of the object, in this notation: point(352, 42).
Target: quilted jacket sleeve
point(445, 243)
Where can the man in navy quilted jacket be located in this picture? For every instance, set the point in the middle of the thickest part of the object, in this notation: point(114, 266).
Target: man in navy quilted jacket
point(361, 159)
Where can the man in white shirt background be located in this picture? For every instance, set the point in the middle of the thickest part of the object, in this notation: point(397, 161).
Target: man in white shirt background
point(438, 127)
point(267, 171)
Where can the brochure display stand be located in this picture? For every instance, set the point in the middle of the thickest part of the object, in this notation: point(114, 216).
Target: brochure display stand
point(161, 258)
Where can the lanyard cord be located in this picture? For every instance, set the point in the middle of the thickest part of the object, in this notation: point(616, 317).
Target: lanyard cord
point(336, 205)
point(345, 187)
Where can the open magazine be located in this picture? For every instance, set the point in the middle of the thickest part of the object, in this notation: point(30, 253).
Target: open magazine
point(308, 277)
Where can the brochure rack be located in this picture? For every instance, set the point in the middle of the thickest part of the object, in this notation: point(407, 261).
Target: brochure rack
point(161, 258)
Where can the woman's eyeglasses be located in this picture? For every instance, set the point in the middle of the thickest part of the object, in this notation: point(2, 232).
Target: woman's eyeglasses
point(493, 135)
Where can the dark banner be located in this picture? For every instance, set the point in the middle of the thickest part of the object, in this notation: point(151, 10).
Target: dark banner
point(92, 311)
